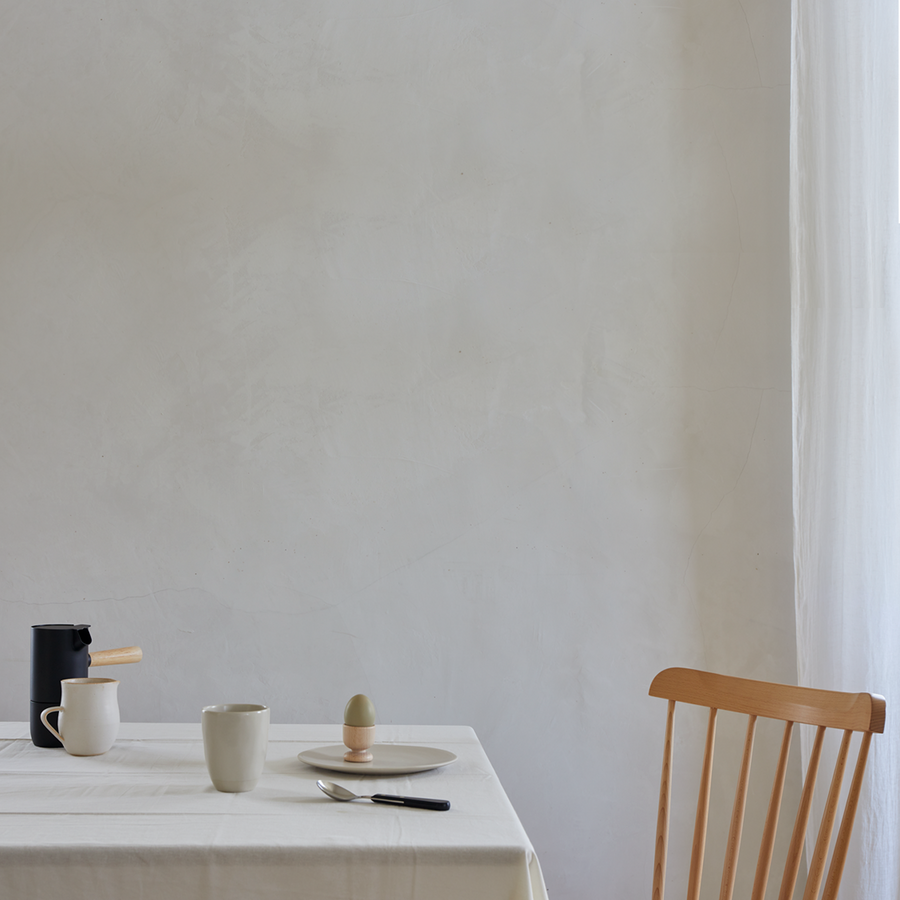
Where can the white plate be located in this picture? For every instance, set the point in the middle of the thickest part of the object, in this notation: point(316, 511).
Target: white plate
point(387, 759)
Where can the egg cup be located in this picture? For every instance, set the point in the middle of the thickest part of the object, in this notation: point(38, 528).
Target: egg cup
point(359, 738)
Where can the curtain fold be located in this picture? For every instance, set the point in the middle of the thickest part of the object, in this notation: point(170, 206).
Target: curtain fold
point(845, 277)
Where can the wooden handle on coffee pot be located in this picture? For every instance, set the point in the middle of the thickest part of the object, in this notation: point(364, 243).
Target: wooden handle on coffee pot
point(114, 657)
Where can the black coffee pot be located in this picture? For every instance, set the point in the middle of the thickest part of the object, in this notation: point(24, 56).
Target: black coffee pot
point(58, 652)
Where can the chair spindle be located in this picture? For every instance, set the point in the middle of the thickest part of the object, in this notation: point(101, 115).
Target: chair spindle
point(839, 855)
point(767, 844)
point(732, 853)
point(792, 863)
point(699, 846)
point(665, 798)
point(817, 865)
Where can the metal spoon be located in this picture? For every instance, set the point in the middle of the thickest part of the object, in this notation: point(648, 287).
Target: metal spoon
point(336, 792)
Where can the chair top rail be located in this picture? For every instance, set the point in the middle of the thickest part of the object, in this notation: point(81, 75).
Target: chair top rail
point(809, 706)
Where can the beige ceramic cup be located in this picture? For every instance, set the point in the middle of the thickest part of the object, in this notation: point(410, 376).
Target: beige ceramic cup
point(235, 740)
point(88, 715)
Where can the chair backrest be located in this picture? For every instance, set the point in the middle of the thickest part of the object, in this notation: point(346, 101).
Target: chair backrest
point(824, 709)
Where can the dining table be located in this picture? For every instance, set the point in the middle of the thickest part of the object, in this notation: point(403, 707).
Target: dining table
point(144, 821)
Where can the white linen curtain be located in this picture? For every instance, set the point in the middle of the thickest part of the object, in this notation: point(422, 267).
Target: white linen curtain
point(846, 387)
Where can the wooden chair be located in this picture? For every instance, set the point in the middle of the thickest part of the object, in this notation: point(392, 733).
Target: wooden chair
point(825, 709)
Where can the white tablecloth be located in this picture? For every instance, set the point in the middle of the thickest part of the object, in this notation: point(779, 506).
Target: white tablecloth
point(144, 821)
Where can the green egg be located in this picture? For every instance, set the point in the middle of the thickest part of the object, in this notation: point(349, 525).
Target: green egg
point(359, 711)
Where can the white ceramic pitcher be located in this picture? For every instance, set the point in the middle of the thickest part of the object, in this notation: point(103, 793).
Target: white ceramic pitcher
point(88, 715)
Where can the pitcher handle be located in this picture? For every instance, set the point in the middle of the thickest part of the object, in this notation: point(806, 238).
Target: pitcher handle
point(50, 728)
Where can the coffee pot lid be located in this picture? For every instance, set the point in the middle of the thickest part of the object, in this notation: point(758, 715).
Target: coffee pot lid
point(83, 630)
